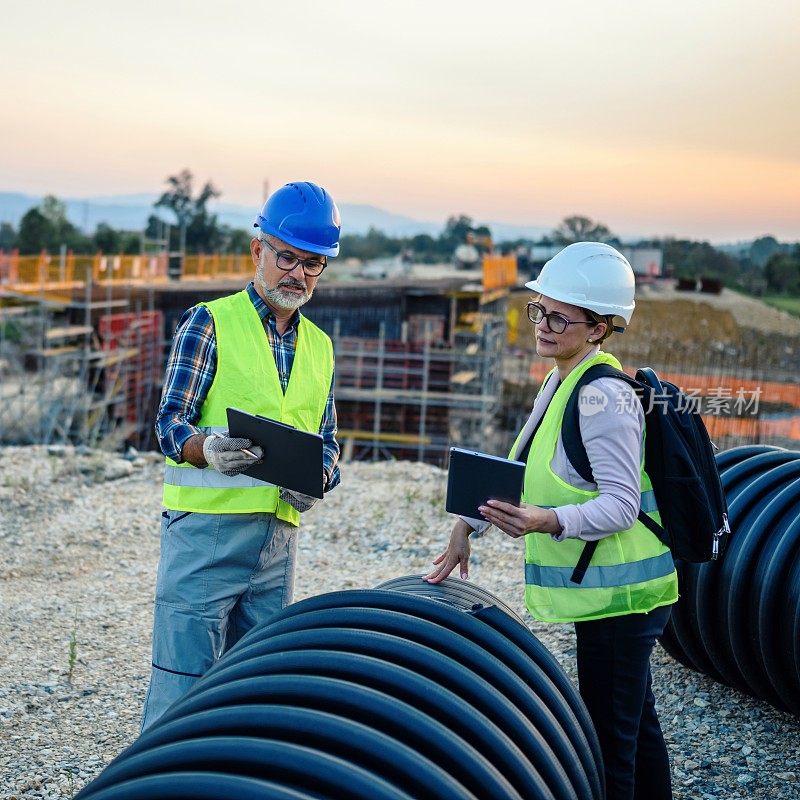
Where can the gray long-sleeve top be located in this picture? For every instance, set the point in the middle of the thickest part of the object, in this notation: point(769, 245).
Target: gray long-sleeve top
point(614, 437)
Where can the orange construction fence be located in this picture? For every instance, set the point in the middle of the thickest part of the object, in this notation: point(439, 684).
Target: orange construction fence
point(728, 393)
point(210, 267)
point(755, 428)
point(49, 271)
point(725, 388)
point(53, 271)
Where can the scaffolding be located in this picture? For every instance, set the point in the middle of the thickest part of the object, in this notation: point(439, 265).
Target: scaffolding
point(416, 397)
point(77, 367)
point(82, 355)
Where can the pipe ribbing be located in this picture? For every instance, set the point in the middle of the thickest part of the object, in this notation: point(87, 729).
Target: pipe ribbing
point(736, 620)
point(439, 693)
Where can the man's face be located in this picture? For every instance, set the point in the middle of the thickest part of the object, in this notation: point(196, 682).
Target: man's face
point(280, 288)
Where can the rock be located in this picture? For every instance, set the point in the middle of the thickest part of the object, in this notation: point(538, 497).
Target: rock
point(117, 468)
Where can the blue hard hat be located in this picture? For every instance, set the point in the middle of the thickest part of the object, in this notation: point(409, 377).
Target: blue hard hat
point(304, 216)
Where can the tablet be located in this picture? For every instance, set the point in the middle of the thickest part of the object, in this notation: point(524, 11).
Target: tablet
point(292, 458)
point(473, 478)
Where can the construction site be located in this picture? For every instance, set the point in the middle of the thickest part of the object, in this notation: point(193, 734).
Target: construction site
point(426, 357)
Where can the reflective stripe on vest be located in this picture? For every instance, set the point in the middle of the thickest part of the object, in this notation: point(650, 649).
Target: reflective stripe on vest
point(601, 577)
point(647, 501)
point(209, 479)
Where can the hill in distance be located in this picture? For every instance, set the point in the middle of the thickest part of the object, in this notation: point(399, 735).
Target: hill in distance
point(130, 212)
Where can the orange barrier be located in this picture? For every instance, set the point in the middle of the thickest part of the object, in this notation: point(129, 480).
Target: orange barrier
point(719, 387)
point(130, 269)
point(48, 271)
point(729, 394)
point(709, 385)
point(753, 428)
point(499, 271)
point(210, 267)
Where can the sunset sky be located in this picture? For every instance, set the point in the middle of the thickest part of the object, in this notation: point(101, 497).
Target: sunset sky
point(656, 118)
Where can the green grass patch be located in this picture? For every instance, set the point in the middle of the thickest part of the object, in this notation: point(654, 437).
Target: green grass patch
point(790, 304)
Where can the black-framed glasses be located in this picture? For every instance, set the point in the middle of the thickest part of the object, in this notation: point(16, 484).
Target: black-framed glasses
point(287, 261)
point(557, 323)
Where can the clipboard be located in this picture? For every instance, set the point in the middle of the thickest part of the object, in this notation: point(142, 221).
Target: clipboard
point(292, 458)
point(473, 478)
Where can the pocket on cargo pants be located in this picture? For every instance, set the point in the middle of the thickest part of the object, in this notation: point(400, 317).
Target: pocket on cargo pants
point(187, 634)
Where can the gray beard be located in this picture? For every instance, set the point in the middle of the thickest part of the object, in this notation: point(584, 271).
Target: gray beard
point(281, 298)
point(286, 300)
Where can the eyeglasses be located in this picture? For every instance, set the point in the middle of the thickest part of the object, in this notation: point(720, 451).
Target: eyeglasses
point(557, 323)
point(287, 261)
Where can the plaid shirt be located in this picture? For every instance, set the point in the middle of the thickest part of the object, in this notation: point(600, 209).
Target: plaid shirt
point(190, 372)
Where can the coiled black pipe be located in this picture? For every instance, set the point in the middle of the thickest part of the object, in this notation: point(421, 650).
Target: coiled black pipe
point(738, 619)
point(404, 691)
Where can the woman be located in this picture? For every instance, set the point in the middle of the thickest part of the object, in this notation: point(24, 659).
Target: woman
point(621, 606)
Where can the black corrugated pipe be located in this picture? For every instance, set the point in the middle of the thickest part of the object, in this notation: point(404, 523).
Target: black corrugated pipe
point(404, 691)
point(738, 619)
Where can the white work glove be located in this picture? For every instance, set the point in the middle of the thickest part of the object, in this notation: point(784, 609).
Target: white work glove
point(302, 502)
point(226, 456)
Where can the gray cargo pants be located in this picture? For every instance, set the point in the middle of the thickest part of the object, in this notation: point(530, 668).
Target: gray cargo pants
point(218, 576)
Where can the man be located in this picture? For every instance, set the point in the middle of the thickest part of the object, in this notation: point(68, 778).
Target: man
point(229, 542)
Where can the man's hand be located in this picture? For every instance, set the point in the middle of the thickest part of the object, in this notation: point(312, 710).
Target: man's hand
point(227, 455)
point(456, 554)
point(302, 502)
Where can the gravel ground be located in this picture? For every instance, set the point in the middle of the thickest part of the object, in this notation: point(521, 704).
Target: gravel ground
point(78, 553)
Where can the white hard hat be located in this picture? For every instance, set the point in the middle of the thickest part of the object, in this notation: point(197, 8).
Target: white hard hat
point(591, 275)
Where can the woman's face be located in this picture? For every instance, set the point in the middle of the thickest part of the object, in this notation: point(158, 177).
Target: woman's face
point(573, 342)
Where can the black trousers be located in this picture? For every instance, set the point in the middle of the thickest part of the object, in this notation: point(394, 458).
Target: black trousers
point(615, 684)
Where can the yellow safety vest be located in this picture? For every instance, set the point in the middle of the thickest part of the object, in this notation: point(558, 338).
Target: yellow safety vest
point(247, 378)
point(630, 572)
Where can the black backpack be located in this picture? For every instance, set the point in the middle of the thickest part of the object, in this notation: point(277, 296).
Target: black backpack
point(678, 457)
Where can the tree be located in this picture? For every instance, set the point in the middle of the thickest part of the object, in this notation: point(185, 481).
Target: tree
point(106, 239)
point(762, 250)
point(782, 273)
point(178, 198)
point(198, 228)
point(130, 242)
point(235, 240)
point(36, 232)
point(581, 229)
point(424, 247)
point(456, 229)
point(374, 245)
point(55, 212)
point(688, 259)
point(46, 227)
point(156, 228)
point(65, 233)
point(8, 236)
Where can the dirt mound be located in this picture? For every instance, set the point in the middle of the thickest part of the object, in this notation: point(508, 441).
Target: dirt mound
point(693, 332)
point(748, 312)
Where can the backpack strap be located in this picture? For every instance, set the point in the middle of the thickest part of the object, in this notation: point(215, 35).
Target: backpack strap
point(578, 457)
point(571, 427)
